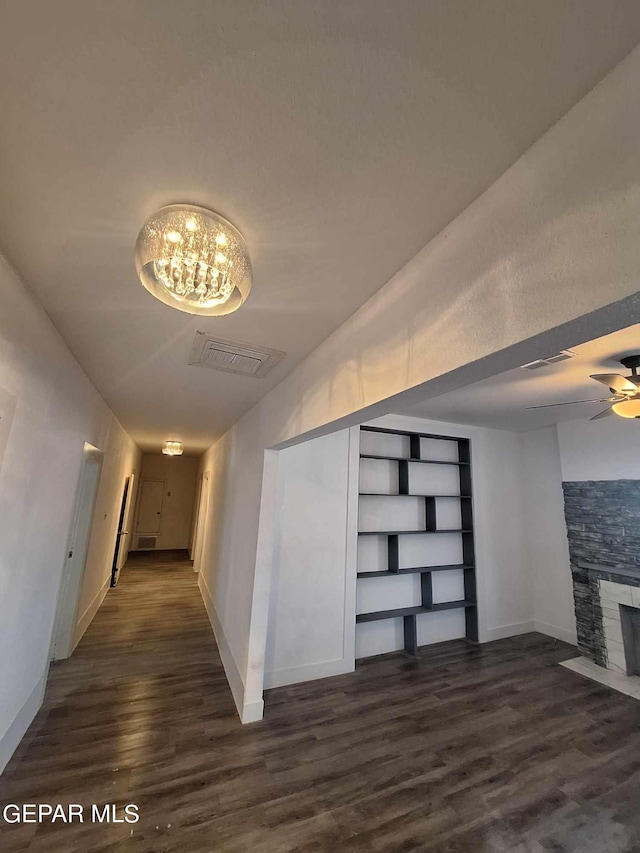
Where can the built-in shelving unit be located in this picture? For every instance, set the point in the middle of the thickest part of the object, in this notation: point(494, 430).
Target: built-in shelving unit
point(458, 459)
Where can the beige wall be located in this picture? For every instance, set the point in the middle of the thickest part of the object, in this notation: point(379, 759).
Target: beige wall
point(545, 533)
point(179, 475)
point(121, 459)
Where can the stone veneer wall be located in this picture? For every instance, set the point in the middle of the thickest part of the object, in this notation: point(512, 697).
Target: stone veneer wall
point(603, 528)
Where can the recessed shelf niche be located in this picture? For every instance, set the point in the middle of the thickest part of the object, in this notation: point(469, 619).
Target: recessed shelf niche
point(415, 531)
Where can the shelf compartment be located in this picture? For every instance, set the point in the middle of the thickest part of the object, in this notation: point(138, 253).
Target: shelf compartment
point(412, 611)
point(409, 459)
point(412, 571)
point(405, 532)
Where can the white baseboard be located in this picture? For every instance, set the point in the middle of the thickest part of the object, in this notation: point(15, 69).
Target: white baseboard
point(252, 712)
point(249, 712)
point(504, 631)
point(513, 630)
point(557, 633)
point(23, 719)
point(307, 672)
point(87, 617)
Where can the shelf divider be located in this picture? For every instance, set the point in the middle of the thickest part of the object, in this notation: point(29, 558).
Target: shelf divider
point(407, 532)
point(418, 571)
point(409, 495)
point(413, 611)
point(410, 635)
point(393, 557)
point(407, 459)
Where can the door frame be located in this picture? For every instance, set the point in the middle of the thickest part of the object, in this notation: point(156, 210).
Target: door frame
point(201, 517)
point(121, 547)
point(68, 601)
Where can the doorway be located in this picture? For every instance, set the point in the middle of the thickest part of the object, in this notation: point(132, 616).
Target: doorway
point(150, 509)
point(120, 551)
point(202, 506)
point(76, 554)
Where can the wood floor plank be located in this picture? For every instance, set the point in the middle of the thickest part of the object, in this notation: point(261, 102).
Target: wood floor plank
point(465, 749)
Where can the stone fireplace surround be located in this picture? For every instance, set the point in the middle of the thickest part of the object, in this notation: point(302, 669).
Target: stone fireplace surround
point(597, 595)
point(603, 529)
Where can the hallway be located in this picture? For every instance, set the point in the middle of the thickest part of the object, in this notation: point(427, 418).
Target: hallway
point(466, 749)
point(133, 709)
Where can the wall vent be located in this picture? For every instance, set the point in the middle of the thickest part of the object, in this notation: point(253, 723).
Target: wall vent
point(147, 541)
point(233, 356)
point(552, 359)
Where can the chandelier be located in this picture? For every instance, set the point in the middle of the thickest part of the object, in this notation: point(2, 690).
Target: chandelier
point(173, 448)
point(194, 260)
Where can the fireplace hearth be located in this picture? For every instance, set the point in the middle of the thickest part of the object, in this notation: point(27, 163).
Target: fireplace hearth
point(630, 624)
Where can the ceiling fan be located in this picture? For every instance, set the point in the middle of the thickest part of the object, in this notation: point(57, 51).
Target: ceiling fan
point(625, 390)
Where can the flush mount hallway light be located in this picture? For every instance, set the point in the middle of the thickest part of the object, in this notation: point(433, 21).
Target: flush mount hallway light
point(173, 448)
point(194, 260)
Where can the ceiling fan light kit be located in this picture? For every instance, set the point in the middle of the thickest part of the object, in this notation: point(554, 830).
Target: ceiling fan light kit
point(628, 408)
point(625, 389)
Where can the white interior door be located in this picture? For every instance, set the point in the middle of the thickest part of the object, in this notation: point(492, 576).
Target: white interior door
point(76, 557)
point(203, 505)
point(124, 548)
point(150, 507)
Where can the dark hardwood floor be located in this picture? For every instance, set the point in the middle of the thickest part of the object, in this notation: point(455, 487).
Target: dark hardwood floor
point(491, 748)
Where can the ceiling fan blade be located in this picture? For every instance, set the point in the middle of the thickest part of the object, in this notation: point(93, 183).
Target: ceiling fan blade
point(615, 381)
point(573, 403)
point(604, 414)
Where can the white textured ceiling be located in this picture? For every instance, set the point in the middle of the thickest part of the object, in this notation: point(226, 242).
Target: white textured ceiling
point(501, 401)
point(338, 135)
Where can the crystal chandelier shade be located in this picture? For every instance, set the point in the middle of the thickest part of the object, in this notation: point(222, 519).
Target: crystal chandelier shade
point(194, 260)
point(173, 448)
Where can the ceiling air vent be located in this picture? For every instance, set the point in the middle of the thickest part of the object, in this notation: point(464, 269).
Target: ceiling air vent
point(552, 359)
point(233, 356)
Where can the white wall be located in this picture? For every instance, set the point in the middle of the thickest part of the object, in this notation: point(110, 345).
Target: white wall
point(511, 279)
point(311, 609)
point(179, 474)
point(545, 535)
point(606, 449)
point(523, 572)
point(56, 411)
point(229, 549)
point(573, 451)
